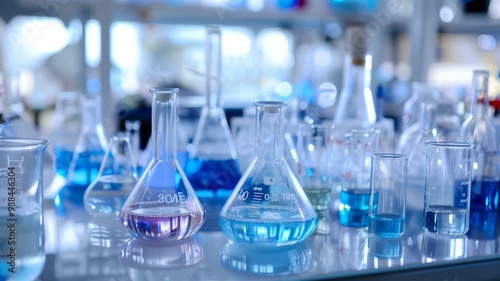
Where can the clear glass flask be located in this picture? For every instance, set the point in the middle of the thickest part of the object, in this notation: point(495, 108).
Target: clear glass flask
point(479, 130)
point(163, 205)
point(421, 92)
point(355, 181)
point(90, 148)
point(212, 166)
point(268, 207)
point(116, 179)
point(414, 146)
point(356, 105)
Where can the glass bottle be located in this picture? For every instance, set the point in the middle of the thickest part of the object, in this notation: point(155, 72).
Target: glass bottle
point(414, 147)
point(90, 147)
point(479, 130)
point(355, 180)
point(356, 105)
point(116, 179)
point(163, 205)
point(212, 167)
point(268, 207)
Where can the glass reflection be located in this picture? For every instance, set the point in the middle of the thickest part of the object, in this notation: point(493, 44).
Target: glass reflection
point(154, 260)
point(385, 252)
point(353, 247)
point(437, 247)
point(292, 260)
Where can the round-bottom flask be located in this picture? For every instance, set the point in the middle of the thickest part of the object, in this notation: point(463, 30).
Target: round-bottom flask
point(268, 207)
point(163, 205)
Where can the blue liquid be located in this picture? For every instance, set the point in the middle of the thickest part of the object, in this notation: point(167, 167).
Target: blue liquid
point(63, 161)
point(353, 209)
point(86, 170)
point(213, 178)
point(273, 226)
point(483, 209)
point(386, 225)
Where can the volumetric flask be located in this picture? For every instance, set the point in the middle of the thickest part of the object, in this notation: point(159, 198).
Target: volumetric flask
point(355, 180)
point(448, 169)
point(163, 205)
point(268, 207)
point(117, 177)
point(22, 252)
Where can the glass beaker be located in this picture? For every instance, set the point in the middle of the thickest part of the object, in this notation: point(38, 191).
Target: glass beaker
point(90, 147)
point(387, 212)
point(448, 169)
point(22, 250)
point(163, 205)
point(314, 169)
point(479, 130)
point(355, 181)
point(116, 179)
point(212, 166)
point(268, 207)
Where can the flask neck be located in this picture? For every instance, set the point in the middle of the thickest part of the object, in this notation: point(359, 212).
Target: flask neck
point(213, 53)
point(479, 100)
point(270, 130)
point(355, 77)
point(164, 125)
point(427, 117)
point(91, 112)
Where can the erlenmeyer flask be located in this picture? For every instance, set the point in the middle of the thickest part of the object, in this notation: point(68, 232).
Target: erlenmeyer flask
point(268, 207)
point(163, 205)
point(116, 179)
point(479, 130)
point(212, 167)
point(414, 147)
point(355, 182)
point(90, 147)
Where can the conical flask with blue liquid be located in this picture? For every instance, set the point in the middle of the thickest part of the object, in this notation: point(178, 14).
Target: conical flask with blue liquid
point(479, 130)
point(212, 166)
point(163, 205)
point(268, 207)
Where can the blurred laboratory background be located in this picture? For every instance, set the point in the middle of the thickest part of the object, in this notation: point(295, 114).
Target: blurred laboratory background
point(290, 50)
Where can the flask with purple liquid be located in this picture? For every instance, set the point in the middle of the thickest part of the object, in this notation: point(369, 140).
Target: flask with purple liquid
point(163, 205)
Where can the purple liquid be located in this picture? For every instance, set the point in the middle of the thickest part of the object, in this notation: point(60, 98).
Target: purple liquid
point(161, 223)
